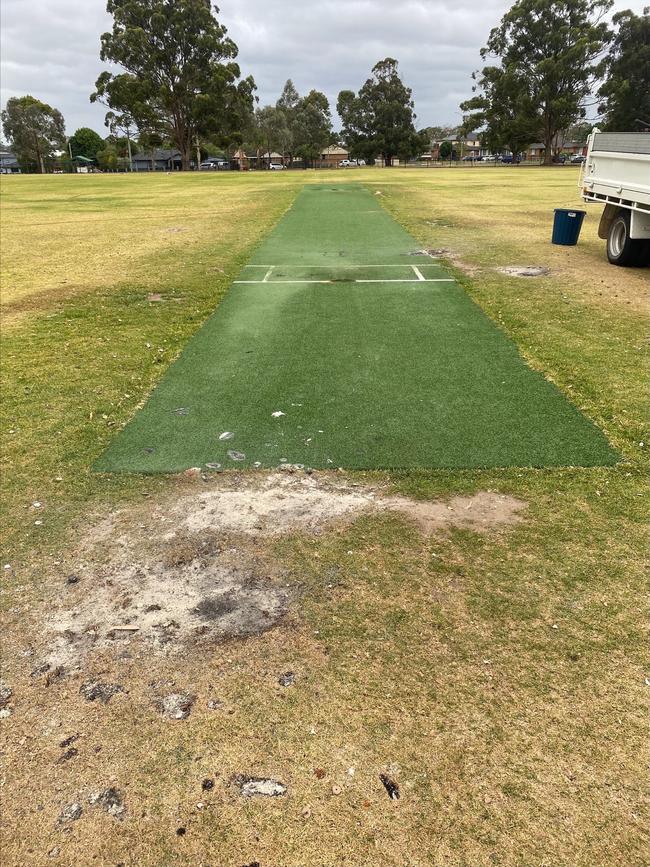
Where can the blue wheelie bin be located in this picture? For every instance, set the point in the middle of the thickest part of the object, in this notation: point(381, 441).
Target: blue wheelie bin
point(566, 226)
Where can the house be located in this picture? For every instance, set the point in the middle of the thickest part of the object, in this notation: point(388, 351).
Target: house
point(8, 163)
point(244, 161)
point(159, 160)
point(333, 155)
point(575, 147)
point(537, 150)
point(461, 146)
point(272, 158)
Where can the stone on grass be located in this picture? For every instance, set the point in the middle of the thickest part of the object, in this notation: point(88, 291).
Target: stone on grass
point(5, 693)
point(262, 786)
point(177, 705)
point(95, 689)
point(110, 800)
point(71, 813)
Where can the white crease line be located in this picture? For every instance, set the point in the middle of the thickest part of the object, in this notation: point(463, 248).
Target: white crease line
point(410, 280)
point(388, 280)
point(299, 265)
point(268, 274)
point(418, 273)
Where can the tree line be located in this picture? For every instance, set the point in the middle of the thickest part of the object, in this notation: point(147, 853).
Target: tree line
point(546, 59)
point(181, 87)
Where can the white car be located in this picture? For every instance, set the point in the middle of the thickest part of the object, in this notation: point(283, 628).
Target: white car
point(276, 167)
point(348, 164)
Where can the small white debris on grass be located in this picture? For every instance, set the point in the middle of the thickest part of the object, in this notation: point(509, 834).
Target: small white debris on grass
point(226, 435)
point(266, 788)
point(278, 413)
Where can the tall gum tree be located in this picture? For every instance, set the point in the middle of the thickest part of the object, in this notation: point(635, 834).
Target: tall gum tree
point(550, 54)
point(181, 80)
point(380, 119)
point(625, 93)
point(35, 129)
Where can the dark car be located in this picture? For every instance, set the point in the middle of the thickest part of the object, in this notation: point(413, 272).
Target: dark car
point(509, 158)
point(560, 159)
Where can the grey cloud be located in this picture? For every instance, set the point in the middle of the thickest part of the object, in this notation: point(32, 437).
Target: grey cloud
point(50, 48)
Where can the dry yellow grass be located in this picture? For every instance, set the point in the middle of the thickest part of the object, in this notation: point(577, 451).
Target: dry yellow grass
point(79, 233)
point(433, 659)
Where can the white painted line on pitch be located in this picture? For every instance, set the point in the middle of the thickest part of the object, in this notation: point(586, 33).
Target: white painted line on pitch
point(268, 274)
point(360, 267)
point(388, 280)
point(409, 280)
point(418, 273)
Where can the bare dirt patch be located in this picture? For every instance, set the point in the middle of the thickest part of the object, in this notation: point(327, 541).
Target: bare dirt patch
point(524, 270)
point(188, 570)
point(479, 512)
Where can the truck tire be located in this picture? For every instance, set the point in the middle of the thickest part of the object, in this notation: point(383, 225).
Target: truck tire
point(621, 249)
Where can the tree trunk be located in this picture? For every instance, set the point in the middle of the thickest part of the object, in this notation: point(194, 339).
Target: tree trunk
point(186, 157)
point(548, 148)
point(41, 162)
point(388, 161)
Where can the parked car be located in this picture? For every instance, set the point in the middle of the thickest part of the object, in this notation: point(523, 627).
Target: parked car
point(560, 159)
point(214, 165)
point(577, 159)
point(509, 158)
point(275, 167)
point(468, 159)
point(490, 158)
point(361, 162)
point(348, 164)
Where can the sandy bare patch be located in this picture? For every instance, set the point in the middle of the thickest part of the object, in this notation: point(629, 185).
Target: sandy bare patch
point(187, 570)
point(280, 503)
point(524, 270)
point(163, 605)
point(480, 512)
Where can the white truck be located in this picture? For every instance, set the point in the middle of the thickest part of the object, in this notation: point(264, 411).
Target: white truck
point(616, 173)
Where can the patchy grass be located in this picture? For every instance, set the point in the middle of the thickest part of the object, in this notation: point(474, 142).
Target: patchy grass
point(434, 660)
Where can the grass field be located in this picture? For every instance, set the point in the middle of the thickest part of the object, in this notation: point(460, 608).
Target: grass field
point(497, 677)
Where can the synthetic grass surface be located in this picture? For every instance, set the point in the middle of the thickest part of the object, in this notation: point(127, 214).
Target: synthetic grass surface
point(367, 374)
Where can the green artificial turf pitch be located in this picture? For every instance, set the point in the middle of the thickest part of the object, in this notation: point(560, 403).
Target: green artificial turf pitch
point(401, 369)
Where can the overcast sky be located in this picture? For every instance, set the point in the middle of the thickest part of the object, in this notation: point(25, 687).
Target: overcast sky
point(50, 48)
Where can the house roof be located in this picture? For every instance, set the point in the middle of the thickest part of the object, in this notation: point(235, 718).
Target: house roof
point(158, 154)
point(272, 155)
point(335, 150)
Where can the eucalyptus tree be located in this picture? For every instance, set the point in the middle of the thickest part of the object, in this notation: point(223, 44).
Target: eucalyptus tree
point(180, 78)
point(625, 93)
point(35, 130)
point(547, 56)
point(380, 119)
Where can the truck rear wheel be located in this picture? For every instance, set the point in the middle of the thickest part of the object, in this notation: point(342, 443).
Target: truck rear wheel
point(621, 249)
